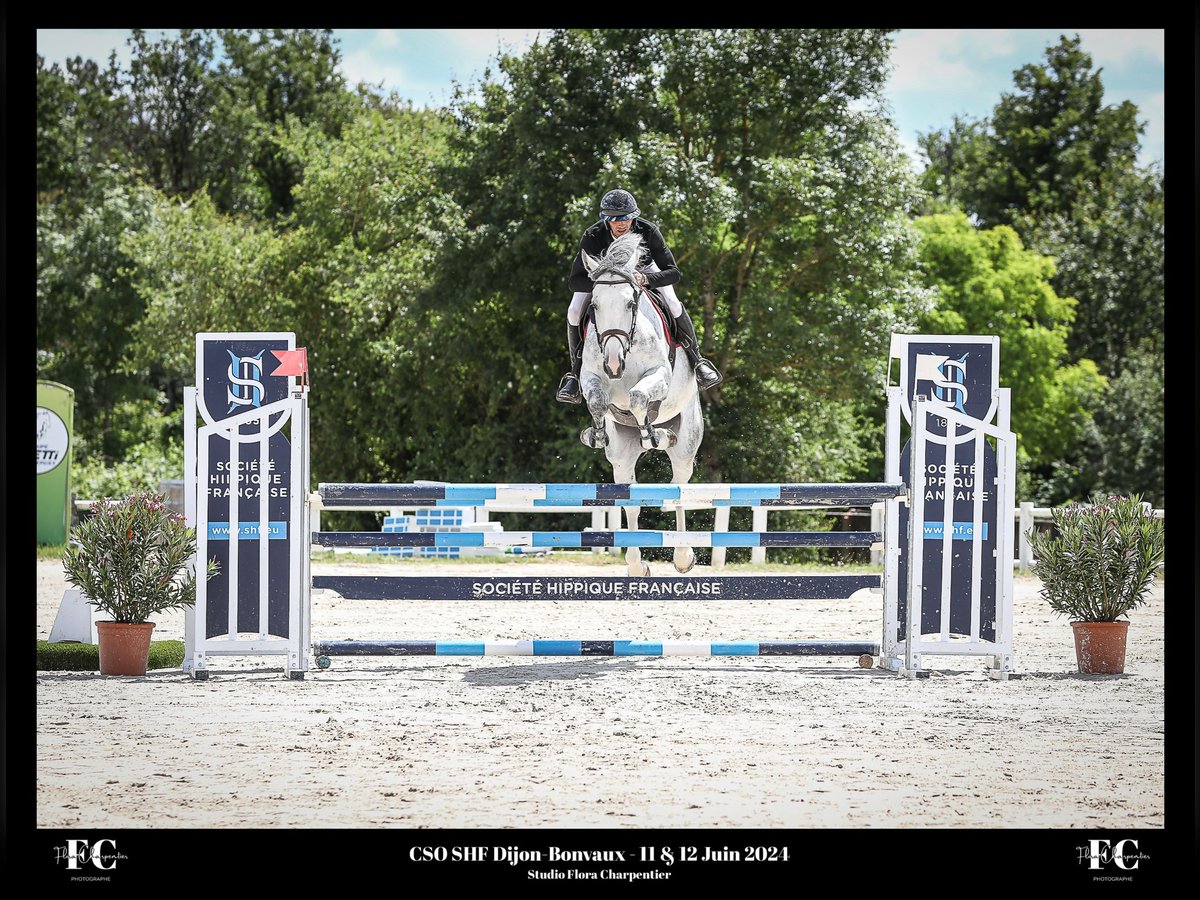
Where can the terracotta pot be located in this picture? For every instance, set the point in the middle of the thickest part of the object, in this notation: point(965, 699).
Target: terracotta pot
point(1100, 647)
point(124, 647)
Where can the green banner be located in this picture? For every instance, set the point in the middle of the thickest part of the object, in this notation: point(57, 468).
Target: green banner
point(55, 421)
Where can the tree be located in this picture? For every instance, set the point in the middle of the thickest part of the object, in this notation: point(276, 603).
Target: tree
point(343, 276)
point(87, 308)
point(272, 80)
point(767, 159)
point(987, 283)
point(171, 96)
point(180, 122)
point(81, 124)
point(1045, 147)
point(1110, 249)
point(1060, 167)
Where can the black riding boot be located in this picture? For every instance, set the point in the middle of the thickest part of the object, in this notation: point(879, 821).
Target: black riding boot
point(568, 388)
point(706, 373)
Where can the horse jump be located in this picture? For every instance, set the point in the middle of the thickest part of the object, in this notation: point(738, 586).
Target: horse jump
point(933, 605)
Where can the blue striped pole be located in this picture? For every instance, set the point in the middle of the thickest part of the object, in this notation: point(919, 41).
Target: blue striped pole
point(598, 539)
point(596, 648)
point(334, 495)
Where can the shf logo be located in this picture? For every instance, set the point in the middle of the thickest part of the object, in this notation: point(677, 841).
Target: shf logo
point(948, 377)
point(246, 389)
point(1100, 853)
point(77, 853)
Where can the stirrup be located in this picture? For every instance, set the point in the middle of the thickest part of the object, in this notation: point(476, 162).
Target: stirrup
point(568, 389)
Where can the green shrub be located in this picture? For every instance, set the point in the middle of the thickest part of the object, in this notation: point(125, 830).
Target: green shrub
point(60, 657)
point(1103, 560)
point(131, 558)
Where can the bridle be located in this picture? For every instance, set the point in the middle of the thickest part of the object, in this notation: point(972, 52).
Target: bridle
point(626, 337)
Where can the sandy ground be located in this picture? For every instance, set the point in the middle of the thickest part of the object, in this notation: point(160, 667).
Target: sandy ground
point(416, 742)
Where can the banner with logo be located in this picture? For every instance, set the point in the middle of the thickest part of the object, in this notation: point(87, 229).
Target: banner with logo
point(55, 421)
point(962, 374)
point(235, 373)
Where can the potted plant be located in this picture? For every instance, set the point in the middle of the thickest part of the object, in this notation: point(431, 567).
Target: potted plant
point(1098, 567)
point(131, 560)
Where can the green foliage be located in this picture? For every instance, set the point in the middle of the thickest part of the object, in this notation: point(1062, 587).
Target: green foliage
point(202, 271)
point(1109, 249)
point(1102, 562)
point(987, 283)
point(127, 559)
point(64, 657)
point(142, 468)
point(768, 163)
point(1124, 446)
point(86, 306)
point(366, 226)
point(81, 116)
point(1046, 146)
point(273, 82)
point(171, 94)
point(1132, 430)
point(1059, 166)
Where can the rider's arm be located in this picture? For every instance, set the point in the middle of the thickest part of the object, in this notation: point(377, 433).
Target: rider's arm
point(591, 242)
point(580, 283)
point(668, 272)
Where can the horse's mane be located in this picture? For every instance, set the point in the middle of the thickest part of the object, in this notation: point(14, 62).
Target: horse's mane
point(622, 257)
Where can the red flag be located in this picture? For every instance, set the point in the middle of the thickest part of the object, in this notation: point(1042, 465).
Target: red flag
point(293, 362)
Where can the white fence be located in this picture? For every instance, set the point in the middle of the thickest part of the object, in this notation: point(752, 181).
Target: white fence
point(609, 518)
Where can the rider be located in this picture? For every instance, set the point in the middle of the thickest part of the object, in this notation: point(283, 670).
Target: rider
point(618, 216)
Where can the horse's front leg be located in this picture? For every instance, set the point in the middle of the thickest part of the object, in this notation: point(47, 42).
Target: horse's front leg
point(594, 436)
point(650, 387)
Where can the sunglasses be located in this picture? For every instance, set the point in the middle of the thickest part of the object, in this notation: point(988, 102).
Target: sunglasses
point(616, 218)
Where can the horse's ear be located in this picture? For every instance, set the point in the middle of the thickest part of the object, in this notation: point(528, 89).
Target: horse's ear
point(589, 264)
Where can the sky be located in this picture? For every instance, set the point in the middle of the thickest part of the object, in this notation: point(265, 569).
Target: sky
point(938, 73)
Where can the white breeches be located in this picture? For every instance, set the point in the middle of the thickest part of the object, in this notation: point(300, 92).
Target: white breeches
point(580, 298)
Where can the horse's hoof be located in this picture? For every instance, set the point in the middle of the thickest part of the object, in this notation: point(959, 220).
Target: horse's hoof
point(593, 438)
point(659, 439)
point(645, 570)
point(691, 565)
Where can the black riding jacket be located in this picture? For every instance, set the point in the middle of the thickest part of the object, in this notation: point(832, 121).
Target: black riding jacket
point(598, 238)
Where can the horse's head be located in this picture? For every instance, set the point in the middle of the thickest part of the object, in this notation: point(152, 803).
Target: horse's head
point(615, 298)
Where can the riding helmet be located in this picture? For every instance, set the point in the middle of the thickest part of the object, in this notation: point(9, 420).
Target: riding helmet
point(618, 205)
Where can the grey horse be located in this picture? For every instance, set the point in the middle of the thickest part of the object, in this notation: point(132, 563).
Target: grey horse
point(638, 400)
